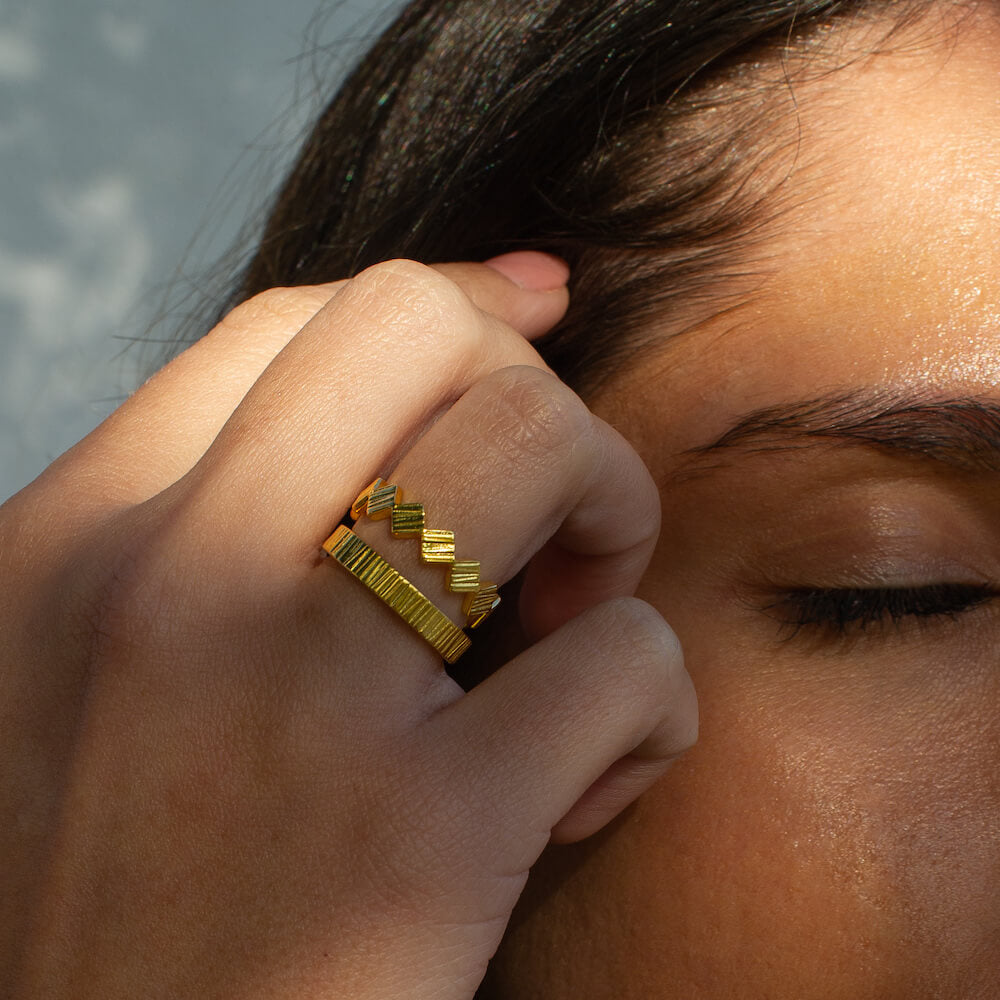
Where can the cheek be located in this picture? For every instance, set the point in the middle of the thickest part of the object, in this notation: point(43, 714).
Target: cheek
point(819, 846)
point(832, 835)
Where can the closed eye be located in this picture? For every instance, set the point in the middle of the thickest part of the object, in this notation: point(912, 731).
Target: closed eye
point(849, 610)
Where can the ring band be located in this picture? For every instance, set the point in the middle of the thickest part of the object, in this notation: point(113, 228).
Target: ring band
point(391, 587)
point(381, 500)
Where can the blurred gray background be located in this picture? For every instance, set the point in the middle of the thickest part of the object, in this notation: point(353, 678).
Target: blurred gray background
point(136, 136)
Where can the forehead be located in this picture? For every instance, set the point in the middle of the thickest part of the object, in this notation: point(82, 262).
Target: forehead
point(883, 264)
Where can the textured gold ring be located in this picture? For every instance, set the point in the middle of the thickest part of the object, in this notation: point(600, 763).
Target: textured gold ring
point(381, 500)
point(390, 586)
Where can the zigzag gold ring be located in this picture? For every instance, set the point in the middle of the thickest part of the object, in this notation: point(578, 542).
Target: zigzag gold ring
point(381, 500)
point(390, 586)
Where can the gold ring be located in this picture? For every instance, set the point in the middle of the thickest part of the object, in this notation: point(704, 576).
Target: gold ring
point(381, 500)
point(391, 587)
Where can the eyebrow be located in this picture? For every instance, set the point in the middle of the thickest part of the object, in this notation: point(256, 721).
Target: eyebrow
point(960, 432)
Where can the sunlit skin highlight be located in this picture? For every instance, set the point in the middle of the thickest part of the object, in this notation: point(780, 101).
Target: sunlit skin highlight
point(836, 832)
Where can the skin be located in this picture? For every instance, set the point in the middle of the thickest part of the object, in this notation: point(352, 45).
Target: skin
point(227, 770)
point(836, 831)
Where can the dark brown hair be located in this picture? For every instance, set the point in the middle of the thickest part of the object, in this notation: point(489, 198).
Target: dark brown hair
point(619, 134)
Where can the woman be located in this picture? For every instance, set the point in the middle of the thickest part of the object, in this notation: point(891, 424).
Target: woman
point(230, 771)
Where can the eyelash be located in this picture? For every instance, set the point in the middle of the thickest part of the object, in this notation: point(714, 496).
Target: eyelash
point(846, 611)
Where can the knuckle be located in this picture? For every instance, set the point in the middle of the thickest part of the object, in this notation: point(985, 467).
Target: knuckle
point(276, 306)
point(533, 414)
point(417, 303)
point(646, 650)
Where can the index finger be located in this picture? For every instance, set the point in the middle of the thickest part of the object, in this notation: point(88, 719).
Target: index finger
point(164, 428)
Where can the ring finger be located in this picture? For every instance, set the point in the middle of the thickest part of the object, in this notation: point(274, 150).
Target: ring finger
point(592, 713)
point(517, 463)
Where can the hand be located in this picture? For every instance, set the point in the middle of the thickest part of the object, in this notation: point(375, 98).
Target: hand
point(226, 769)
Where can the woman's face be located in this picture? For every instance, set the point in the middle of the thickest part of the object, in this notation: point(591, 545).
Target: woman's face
point(836, 832)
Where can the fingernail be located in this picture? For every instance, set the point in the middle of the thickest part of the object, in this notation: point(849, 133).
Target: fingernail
point(532, 270)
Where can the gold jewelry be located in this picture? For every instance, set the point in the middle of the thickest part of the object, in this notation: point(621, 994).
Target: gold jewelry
point(381, 500)
point(363, 562)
